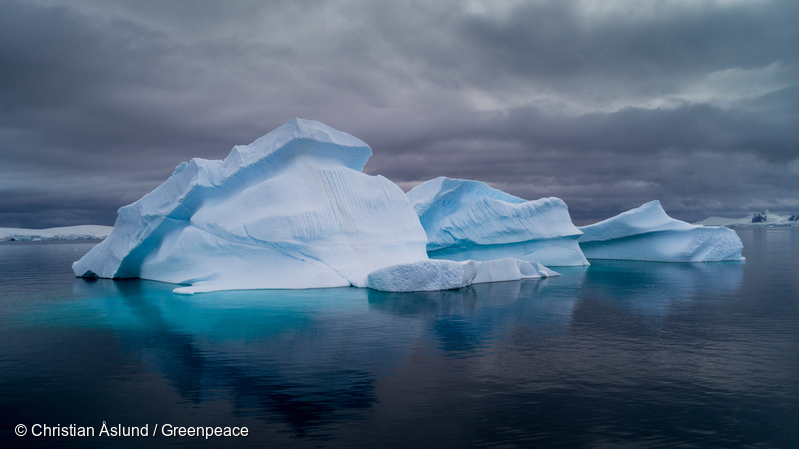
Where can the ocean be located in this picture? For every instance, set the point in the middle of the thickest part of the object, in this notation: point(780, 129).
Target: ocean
point(619, 354)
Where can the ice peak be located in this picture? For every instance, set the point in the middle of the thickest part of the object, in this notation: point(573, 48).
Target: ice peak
point(300, 137)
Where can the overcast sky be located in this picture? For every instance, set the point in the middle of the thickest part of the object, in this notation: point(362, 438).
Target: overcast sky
point(606, 104)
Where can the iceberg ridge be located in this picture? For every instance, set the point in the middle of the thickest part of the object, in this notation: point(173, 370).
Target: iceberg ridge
point(468, 220)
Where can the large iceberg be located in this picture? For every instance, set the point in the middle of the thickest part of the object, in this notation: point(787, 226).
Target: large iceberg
point(648, 233)
point(468, 220)
point(290, 210)
point(294, 210)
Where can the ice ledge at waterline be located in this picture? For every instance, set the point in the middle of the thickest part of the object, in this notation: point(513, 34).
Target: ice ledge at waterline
point(431, 275)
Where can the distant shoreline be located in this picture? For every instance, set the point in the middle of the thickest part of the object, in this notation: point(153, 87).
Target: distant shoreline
point(753, 225)
point(782, 225)
point(59, 241)
point(66, 233)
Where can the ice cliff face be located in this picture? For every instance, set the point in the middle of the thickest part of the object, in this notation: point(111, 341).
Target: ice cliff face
point(469, 220)
point(648, 233)
point(290, 210)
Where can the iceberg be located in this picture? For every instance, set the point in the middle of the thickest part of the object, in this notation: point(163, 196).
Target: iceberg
point(291, 210)
point(647, 233)
point(468, 220)
point(294, 210)
point(432, 275)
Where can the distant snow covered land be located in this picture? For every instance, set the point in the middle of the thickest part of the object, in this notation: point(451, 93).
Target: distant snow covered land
point(294, 210)
point(83, 232)
point(764, 218)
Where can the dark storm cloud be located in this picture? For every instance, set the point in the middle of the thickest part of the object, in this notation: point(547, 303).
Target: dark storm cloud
point(604, 104)
point(692, 158)
point(554, 39)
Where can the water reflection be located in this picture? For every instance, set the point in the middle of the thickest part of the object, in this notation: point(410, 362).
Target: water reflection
point(464, 301)
point(274, 354)
point(652, 288)
point(468, 319)
point(309, 356)
point(617, 353)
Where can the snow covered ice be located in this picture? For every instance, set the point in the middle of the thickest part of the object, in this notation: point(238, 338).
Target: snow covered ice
point(430, 275)
point(648, 233)
point(468, 220)
point(290, 210)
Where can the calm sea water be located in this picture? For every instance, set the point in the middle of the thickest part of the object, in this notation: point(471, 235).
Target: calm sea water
point(618, 354)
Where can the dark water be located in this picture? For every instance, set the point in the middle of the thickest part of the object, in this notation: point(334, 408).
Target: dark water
point(619, 354)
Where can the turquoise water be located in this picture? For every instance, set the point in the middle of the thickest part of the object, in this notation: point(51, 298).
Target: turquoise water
point(618, 354)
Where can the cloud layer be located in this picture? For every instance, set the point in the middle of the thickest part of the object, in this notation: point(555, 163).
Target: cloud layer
point(606, 104)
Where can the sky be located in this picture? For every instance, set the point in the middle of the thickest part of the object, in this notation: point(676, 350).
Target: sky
point(606, 104)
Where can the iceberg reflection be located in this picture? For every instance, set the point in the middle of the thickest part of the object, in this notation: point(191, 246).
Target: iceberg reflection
point(467, 320)
point(651, 288)
point(305, 356)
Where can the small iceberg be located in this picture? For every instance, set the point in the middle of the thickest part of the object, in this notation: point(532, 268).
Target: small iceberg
point(647, 233)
